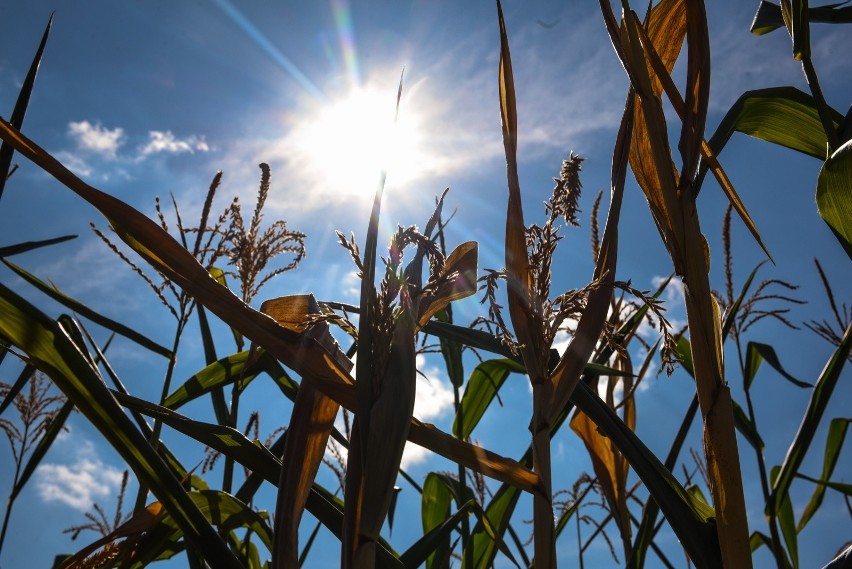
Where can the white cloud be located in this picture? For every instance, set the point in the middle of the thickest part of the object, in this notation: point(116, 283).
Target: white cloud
point(78, 485)
point(159, 141)
point(96, 138)
point(75, 163)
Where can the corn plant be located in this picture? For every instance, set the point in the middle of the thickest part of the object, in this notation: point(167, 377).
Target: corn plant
point(406, 296)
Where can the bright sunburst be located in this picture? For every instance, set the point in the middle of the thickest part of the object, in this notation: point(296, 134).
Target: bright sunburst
point(349, 141)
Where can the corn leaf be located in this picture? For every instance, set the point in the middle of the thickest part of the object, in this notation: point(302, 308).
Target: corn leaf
point(19, 248)
point(839, 486)
point(610, 468)
point(20, 110)
point(433, 548)
point(462, 263)
point(434, 514)
point(518, 273)
point(52, 351)
point(787, 522)
point(769, 17)
point(497, 515)
point(87, 312)
point(747, 429)
point(781, 115)
point(810, 421)
point(833, 444)
point(228, 370)
point(698, 144)
point(484, 383)
point(757, 353)
point(691, 520)
point(310, 359)
point(834, 195)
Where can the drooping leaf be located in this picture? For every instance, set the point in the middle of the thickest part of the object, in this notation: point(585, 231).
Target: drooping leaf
point(817, 404)
point(834, 442)
point(87, 312)
point(462, 262)
point(610, 468)
point(747, 429)
point(769, 17)
point(691, 520)
point(781, 115)
point(52, 351)
point(834, 195)
point(757, 353)
point(227, 370)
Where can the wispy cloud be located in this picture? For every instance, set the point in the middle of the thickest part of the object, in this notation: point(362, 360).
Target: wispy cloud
point(96, 138)
point(166, 142)
point(79, 484)
point(104, 152)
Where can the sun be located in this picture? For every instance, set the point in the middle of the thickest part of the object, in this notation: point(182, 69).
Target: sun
point(346, 143)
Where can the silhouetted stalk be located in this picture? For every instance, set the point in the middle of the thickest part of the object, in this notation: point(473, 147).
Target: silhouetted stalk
point(772, 521)
point(142, 495)
point(545, 533)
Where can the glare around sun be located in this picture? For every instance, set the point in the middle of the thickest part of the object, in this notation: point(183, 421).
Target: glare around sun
point(352, 139)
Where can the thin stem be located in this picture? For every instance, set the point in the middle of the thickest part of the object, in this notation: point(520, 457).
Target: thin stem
point(142, 495)
point(821, 105)
point(12, 495)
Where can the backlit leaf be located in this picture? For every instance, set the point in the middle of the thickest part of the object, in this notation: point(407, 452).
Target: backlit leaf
point(834, 195)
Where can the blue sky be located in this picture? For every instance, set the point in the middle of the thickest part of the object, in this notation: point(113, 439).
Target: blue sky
point(146, 99)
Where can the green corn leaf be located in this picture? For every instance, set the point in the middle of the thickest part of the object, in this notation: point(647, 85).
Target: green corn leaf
point(227, 370)
point(801, 31)
point(834, 195)
point(756, 353)
point(782, 115)
point(87, 312)
point(498, 513)
point(820, 397)
point(52, 351)
point(226, 440)
point(434, 512)
point(834, 442)
point(31, 245)
point(484, 384)
point(787, 522)
point(839, 486)
point(747, 428)
point(431, 547)
point(21, 104)
point(769, 16)
point(227, 513)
